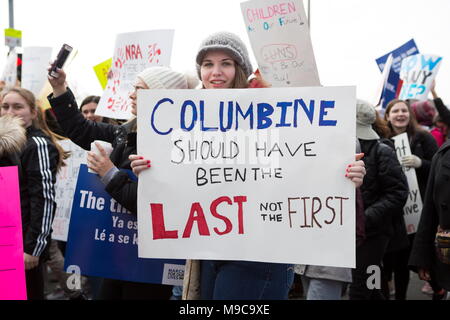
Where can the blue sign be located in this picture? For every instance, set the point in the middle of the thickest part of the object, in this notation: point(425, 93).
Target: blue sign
point(102, 238)
point(391, 86)
point(405, 50)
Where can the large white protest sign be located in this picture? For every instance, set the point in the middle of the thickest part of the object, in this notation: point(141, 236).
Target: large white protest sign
point(279, 35)
point(34, 68)
point(9, 74)
point(413, 207)
point(66, 181)
point(133, 53)
point(248, 174)
point(418, 72)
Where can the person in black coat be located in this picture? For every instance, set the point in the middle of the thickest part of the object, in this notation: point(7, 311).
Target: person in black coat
point(435, 212)
point(401, 119)
point(384, 191)
point(123, 139)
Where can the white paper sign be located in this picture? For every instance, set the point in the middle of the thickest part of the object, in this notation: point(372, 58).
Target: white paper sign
point(9, 74)
point(248, 174)
point(413, 207)
point(418, 72)
point(133, 53)
point(34, 68)
point(279, 35)
point(66, 181)
point(173, 274)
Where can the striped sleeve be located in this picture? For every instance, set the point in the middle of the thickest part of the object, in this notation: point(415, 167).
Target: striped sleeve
point(43, 204)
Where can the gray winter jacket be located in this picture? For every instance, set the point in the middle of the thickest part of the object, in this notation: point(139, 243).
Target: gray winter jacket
point(323, 272)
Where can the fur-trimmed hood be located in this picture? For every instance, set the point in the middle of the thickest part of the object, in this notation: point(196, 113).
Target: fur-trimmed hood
point(12, 135)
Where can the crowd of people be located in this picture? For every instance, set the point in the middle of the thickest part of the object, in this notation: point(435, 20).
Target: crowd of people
point(29, 139)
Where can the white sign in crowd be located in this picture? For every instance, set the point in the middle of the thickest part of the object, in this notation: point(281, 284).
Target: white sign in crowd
point(413, 207)
point(254, 174)
point(134, 52)
point(9, 75)
point(66, 181)
point(34, 68)
point(418, 72)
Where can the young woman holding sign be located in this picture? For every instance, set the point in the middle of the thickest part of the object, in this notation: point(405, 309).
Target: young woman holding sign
point(400, 119)
point(123, 138)
point(223, 63)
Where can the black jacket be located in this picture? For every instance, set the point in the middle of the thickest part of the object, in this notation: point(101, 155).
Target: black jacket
point(38, 162)
point(83, 132)
point(384, 190)
point(424, 146)
point(436, 211)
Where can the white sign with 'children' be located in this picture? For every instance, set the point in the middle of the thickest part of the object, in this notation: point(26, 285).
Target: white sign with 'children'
point(279, 35)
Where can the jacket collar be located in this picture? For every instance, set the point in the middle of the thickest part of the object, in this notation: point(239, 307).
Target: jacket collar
point(444, 147)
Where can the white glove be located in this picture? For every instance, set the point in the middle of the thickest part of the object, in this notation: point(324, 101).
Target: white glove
point(411, 161)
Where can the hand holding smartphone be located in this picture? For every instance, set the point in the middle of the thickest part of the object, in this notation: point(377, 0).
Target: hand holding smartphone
point(60, 59)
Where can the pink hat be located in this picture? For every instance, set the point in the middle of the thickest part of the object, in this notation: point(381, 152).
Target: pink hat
point(424, 112)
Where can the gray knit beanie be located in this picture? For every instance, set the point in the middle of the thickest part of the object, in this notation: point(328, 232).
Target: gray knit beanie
point(163, 78)
point(229, 42)
point(365, 117)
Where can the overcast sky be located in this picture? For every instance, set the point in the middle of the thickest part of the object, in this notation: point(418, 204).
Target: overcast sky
point(347, 35)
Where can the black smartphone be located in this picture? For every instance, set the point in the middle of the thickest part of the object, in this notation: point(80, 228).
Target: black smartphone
point(60, 59)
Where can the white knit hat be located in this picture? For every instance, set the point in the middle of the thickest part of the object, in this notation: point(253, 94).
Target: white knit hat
point(163, 78)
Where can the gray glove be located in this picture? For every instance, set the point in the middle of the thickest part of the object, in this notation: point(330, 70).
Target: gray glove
point(411, 161)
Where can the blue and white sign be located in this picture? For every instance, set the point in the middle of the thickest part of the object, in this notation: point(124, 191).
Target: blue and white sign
point(418, 73)
point(103, 241)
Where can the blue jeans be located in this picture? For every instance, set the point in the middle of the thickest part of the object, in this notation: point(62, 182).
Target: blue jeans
point(322, 289)
point(245, 280)
point(177, 292)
